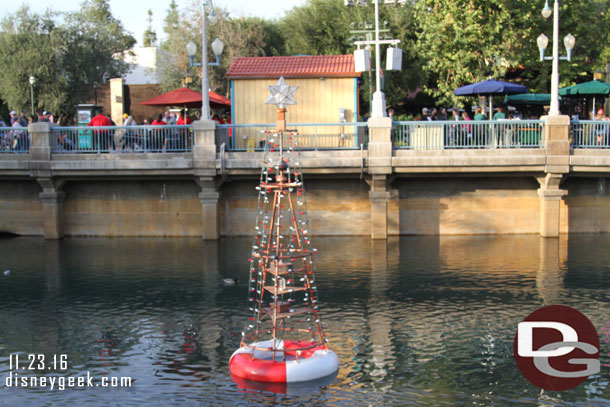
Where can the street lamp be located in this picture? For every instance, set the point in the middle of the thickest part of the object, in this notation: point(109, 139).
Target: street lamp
point(395, 56)
point(543, 41)
point(32, 81)
point(217, 47)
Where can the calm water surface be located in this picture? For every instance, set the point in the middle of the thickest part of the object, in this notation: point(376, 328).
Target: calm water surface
point(415, 321)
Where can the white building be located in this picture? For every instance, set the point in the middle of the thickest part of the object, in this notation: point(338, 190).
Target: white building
point(144, 64)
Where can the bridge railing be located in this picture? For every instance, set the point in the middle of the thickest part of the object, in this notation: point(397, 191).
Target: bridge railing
point(590, 134)
point(14, 140)
point(311, 136)
point(107, 139)
point(467, 134)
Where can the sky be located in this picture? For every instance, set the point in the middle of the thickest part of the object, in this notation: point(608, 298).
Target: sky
point(133, 13)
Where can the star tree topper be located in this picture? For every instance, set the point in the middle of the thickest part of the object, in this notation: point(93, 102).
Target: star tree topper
point(281, 94)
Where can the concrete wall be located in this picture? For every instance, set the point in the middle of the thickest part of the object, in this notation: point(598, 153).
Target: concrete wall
point(335, 207)
point(456, 206)
point(132, 208)
point(586, 209)
point(426, 206)
point(20, 208)
point(376, 192)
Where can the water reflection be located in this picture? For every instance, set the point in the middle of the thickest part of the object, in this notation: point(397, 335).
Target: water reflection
point(423, 320)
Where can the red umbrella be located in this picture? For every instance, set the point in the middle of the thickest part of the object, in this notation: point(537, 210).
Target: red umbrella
point(187, 98)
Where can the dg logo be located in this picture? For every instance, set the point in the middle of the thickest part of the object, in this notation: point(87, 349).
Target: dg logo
point(556, 348)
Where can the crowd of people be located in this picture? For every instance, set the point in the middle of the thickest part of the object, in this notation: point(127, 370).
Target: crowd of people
point(15, 136)
point(139, 139)
point(18, 138)
point(441, 114)
point(467, 133)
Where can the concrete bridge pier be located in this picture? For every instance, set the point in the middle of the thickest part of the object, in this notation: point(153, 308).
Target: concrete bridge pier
point(550, 203)
point(204, 163)
point(384, 207)
point(209, 197)
point(557, 142)
point(52, 198)
point(384, 200)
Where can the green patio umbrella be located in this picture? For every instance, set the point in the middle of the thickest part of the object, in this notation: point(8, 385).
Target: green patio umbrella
point(528, 99)
point(591, 88)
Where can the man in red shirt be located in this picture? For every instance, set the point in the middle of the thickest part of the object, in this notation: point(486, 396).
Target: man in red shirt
point(183, 120)
point(158, 137)
point(102, 139)
point(184, 140)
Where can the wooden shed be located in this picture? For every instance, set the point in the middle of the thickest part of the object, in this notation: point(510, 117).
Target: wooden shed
point(326, 84)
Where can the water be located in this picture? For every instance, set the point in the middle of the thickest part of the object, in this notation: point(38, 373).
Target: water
point(415, 321)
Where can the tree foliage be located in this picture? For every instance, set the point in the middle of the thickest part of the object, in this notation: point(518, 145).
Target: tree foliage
point(173, 59)
point(466, 41)
point(150, 36)
point(324, 27)
point(66, 54)
point(246, 36)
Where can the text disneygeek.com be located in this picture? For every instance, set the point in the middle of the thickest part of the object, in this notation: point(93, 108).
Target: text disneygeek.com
point(17, 380)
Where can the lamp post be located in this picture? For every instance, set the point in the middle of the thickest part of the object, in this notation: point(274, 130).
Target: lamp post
point(217, 47)
point(32, 81)
point(543, 41)
point(368, 29)
point(378, 97)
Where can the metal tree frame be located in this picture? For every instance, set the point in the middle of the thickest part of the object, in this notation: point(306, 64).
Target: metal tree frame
point(282, 293)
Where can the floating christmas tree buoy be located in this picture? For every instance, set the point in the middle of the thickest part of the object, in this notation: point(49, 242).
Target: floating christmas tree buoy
point(283, 340)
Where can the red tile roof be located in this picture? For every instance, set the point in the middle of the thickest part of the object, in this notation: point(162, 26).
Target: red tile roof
point(290, 67)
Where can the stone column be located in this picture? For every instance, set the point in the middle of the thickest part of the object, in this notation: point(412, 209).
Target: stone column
point(41, 143)
point(379, 167)
point(209, 197)
point(204, 163)
point(52, 199)
point(550, 202)
point(379, 196)
point(557, 143)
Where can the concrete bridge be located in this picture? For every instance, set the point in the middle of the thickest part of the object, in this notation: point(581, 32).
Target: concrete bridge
point(378, 191)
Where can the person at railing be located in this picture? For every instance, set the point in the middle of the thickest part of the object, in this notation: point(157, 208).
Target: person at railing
point(184, 138)
point(129, 137)
point(183, 119)
point(424, 114)
point(499, 114)
point(499, 130)
point(601, 129)
point(12, 117)
point(4, 143)
point(453, 129)
point(480, 132)
point(17, 137)
point(101, 138)
point(479, 115)
point(158, 136)
point(169, 118)
point(466, 129)
point(442, 115)
point(23, 120)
